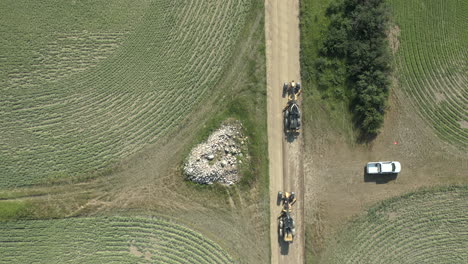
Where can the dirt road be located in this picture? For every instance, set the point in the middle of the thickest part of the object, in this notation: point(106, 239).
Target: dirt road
point(285, 154)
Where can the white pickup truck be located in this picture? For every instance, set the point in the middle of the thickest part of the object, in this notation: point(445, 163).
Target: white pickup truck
point(383, 167)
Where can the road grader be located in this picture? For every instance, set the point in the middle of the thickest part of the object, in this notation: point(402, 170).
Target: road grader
point(292, 113)
point(286, 224)
point(292, 117)
point(292, 89)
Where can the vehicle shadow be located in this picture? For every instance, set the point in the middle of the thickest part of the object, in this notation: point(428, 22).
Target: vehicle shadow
point(291, 136)
point(278, 200)
point(379, 179)
point(284, 246)
point(285, 88)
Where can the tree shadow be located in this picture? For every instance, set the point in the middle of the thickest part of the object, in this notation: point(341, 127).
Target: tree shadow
point(379, 178)
point(364, 138)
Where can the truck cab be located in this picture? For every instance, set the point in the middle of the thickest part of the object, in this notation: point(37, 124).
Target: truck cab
point(383, 167)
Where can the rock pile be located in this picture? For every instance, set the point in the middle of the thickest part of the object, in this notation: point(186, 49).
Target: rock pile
point(217, 159)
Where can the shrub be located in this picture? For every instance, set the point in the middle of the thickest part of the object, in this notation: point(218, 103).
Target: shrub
point(356, 36)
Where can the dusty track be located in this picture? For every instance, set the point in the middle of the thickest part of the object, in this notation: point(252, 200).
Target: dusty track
point(285, 154)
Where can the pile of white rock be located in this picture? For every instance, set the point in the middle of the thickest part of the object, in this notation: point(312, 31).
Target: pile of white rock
point(217, 159)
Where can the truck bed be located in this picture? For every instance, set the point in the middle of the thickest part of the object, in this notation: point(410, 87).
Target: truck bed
point(373, 168)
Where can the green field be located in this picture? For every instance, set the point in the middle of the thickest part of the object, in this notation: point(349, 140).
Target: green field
point(421, 227)
point(105, 240)
point(432, 62)
point(85, 84)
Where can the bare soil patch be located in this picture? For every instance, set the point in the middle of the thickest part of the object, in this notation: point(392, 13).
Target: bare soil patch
point(439, 97)
point(463, 124)
point(394, 38)
point(134, 251)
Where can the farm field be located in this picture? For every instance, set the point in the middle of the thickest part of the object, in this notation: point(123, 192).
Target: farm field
point(122, 91)
point(430, 64)
point(96, 84)
point(167, 78)
point(429, 40)
point(105, 240)
point(424, 227)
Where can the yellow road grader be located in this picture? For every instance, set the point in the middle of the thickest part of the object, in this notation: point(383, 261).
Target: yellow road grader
point(286, 224)
point(291, 89)
point(292, 113)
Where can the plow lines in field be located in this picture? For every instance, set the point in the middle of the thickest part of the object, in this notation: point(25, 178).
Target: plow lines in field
point(105, 240)
point(76, 97)
point(433, 63)
point(426, 227)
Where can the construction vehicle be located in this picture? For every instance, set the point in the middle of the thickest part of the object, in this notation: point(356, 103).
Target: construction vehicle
point(287, 227)
point(291, 113)
point(286, 224)
point(292, 89)
point(292, 116)
point(287, 198)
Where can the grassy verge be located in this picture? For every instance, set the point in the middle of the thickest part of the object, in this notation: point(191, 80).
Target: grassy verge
point(355, 53)
point(246, 103)
point(324, 108)
point(245, 100)
point(248, 106)
point(317, 105)
point(345, 55)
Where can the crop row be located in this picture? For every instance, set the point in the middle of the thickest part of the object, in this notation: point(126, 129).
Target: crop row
point(86, 99)
point(74, 52)
point(423, 228)
point(432, 62)
point(105, 240)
